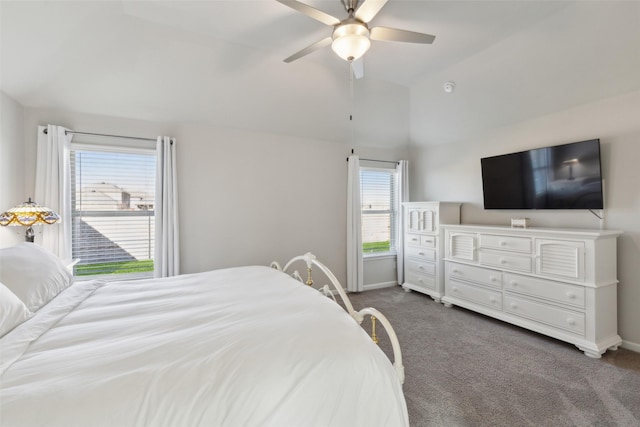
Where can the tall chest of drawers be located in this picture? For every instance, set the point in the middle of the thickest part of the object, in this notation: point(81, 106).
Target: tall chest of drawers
point(424, 245)
point(558, 282)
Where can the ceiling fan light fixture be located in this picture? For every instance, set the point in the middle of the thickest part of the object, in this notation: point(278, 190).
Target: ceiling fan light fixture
point(350, 41)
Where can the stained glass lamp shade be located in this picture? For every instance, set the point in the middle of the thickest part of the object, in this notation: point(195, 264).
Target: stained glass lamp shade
point(28, 214)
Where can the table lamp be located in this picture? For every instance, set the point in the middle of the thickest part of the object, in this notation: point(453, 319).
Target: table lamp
point(28, 214)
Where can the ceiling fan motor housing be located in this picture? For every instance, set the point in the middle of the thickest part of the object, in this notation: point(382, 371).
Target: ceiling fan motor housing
point(350, 5)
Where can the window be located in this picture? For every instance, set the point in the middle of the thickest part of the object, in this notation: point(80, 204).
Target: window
point(378, 196)
point(112, 203)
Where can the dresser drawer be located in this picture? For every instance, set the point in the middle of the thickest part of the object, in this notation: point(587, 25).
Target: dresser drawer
point(421, 280)
point(491, 278)
point(505, 260)
point(557, 317)
point(424, 254)
point(554, 291)
point(475, 294)
point(413, 239)
point(507, 243)
point(428, 241)
point(421, 267)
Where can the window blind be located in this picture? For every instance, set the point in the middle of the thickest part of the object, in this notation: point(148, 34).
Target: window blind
point(379, 215)
point(112, 197)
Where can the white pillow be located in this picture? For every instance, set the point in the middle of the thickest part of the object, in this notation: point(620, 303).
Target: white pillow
point(33, 274)
point(12, 310)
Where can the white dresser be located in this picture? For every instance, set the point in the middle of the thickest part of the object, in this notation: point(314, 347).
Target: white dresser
point(558, 282)
point(424, 245)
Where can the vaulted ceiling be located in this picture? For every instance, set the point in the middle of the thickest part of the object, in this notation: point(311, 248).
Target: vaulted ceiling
point(220, 62)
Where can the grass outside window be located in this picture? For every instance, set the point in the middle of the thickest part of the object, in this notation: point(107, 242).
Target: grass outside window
point(120, 267)
point(376, 247)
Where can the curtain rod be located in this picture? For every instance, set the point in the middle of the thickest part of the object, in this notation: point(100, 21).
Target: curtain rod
point(381, 161)
point(66, 132)
point(374, 160)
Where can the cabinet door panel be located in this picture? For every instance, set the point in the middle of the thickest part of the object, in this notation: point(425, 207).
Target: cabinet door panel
point(413, 220)
point(428, 220)
point(560, 258)
point(462, 246)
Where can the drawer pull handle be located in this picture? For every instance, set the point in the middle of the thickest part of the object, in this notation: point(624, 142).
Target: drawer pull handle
point(514, 283)
point(455, 270)
point(503, 261)
point(493, 300)
point(571, 321)
point(455, 289)
point(494, 279)
point(421, 253)
point(514, 305)
point(571, 295)
point(503, 243)
point(421, 268)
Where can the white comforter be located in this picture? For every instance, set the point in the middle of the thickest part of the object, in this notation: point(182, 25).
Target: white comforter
point(245, 346)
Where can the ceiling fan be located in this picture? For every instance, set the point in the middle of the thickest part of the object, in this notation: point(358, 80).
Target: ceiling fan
point(351, 37)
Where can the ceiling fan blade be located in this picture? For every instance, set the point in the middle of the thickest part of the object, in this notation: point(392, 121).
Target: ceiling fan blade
point(395, 35)
point(369, 9)
point(307, 50)
point(311, 12)
point(357, 68)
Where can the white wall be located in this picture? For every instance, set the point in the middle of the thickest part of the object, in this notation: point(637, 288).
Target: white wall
point(245, 197)
point(12, 173)
point(452, 172)
point(379, 272)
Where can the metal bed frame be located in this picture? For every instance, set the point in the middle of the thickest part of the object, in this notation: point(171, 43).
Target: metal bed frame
point(358, 316)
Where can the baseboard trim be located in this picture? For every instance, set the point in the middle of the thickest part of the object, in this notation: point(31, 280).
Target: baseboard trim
point(379, 285)
point(630, 346)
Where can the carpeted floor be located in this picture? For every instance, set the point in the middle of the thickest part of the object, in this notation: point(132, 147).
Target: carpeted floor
point(466, 369)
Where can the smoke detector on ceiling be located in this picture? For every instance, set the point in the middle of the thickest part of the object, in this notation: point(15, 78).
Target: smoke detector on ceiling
point(449, 87)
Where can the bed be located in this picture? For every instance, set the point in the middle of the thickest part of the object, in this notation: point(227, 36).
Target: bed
point(246, 346)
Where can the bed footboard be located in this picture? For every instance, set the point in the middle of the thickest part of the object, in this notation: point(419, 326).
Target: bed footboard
point(359, 316)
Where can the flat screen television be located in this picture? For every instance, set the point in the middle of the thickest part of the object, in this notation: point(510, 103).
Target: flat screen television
point(564, 176)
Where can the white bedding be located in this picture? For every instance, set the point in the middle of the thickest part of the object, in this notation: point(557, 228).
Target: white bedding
point(245, 346)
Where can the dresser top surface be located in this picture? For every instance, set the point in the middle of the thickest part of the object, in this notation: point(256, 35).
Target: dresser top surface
point(427, 203)
point(583, 232)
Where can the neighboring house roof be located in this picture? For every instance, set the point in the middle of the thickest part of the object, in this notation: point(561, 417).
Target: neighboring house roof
point(107, 196)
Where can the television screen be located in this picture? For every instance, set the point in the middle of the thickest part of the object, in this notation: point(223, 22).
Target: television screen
point(564, 176)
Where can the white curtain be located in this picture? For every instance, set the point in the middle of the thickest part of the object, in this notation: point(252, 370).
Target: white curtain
point(402, 171)
point(355, 269)
point(167, 251)
point(53, 187)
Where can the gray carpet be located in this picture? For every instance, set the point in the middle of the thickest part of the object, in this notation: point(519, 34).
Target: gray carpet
point(466, 369)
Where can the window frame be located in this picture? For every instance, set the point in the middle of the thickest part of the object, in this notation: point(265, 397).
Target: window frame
point(393, 211)
point(120, 148)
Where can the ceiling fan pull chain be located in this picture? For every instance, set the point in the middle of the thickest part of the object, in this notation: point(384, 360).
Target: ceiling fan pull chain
point(351, 90)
